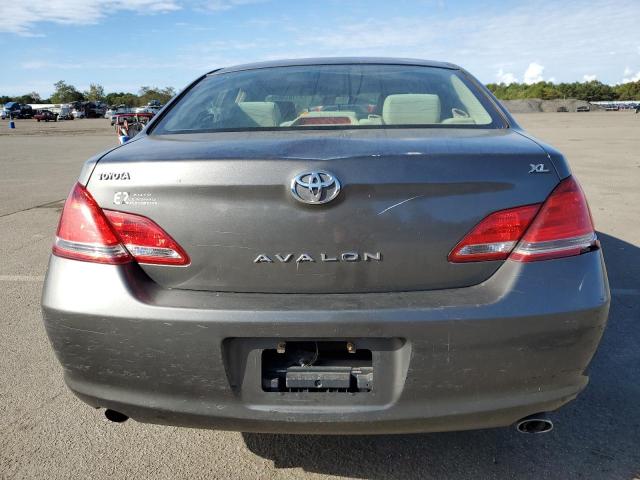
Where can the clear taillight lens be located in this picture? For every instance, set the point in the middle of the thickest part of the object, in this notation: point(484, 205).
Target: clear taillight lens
point(88, 233)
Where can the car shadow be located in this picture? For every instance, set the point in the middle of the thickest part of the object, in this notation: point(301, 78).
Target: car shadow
point(596, 436)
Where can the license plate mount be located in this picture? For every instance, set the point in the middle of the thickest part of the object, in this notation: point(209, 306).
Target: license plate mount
point(323, 366)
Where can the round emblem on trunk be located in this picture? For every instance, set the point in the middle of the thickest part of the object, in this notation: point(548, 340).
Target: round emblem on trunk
point(315, 187)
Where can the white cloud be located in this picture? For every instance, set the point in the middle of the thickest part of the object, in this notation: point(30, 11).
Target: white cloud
point(548, 32)
point(533, 73)
point(221, 5)
point(372, 36)
point(588, 77)
point(117, 62)
point(506, 77)
point(475, 39)
point(629, 77)
point(20, 17)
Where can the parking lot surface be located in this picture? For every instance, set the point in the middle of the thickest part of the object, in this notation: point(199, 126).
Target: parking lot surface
point(45, 432)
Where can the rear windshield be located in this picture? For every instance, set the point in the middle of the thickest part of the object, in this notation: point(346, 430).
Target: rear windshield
point(331, 96)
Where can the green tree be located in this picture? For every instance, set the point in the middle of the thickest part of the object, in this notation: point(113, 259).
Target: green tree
point(589, 91)
point(95, 93)
point(543, 90)
point(147, 94)
point(595, 91)
point(65, 93)
point(33, 97)
point(628, 91)
point(121, 98)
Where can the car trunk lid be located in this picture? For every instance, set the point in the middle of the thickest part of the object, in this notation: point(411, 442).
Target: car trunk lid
point(407, 197)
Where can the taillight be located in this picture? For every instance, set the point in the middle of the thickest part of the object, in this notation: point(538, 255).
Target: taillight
point(88, 233)
point(563, 227)
point(495, 236)
point(145, 240)
point(84, 233)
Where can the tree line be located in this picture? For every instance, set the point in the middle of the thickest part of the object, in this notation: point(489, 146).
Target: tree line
point(592, 91)
point(589, 91)
point(66, 93)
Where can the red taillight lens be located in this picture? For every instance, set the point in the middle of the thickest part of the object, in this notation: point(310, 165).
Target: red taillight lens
point(84, 233)
point(495, 236)
point(562, 228)
point(88, 233)
point(145, 240)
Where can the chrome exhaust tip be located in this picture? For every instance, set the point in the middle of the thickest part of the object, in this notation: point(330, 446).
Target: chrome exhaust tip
point(537, 423)
point(115, 417)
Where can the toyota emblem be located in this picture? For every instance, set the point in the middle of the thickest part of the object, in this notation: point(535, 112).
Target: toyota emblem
point(315, 187)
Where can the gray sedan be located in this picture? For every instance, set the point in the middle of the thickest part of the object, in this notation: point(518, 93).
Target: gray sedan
point(328, 246)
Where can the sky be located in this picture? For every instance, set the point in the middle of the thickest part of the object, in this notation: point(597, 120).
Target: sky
point(125, 44)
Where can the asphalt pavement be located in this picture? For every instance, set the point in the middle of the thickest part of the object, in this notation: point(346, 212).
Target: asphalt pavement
point(45, 432)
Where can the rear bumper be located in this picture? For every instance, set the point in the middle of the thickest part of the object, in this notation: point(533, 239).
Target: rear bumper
point(476, 357)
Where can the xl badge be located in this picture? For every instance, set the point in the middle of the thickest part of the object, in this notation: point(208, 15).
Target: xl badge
point(315, 187)
point(538, 168)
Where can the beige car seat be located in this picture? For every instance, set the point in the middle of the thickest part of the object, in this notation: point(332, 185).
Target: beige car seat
point(411, 109)
point(265, 114)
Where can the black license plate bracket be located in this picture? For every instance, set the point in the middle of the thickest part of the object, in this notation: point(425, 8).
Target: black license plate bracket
point(327, 378)
point(317, 367)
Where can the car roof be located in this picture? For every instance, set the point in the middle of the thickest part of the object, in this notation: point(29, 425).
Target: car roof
point(336, 61)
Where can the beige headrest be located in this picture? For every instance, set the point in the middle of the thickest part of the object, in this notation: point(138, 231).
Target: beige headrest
point(265, 114)
point(411, 109)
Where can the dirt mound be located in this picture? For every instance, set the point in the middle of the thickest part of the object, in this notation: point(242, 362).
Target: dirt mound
point(532, 105)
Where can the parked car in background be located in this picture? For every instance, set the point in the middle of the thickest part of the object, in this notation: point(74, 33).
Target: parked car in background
point(149, 108)
point(89, 109)
point(96, 110)
point(583, 108)
point(45, 116)
point(412, 262)
point(17, 110)
point(115, 110)
point(13, 110)
point(612, 108)
point(65, 112)
point(26, 111)
point(78, 113)
point(130, 116)
point(137, 118)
